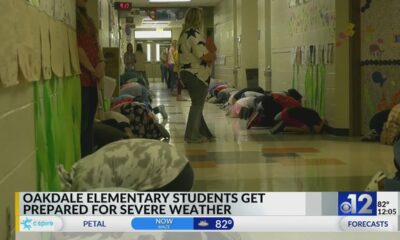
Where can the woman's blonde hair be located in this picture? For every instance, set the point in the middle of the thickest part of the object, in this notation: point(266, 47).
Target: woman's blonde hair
point(193, 19)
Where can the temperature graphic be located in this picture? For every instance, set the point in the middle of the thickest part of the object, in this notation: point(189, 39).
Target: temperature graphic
point(180, 223)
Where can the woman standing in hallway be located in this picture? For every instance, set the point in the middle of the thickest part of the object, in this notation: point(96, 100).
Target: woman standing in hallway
point(195, 62)
point(141, 62)
point(179, 85)
point(129, 57)
point(163, 65)
point(92, 70)
point(171, 65)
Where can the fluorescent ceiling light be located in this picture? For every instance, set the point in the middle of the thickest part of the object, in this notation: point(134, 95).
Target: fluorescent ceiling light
point(166, 1)
point(153, 35)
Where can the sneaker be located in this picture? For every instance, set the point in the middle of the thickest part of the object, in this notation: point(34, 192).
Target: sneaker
point(164, 132)
point(163, 112)
point(252, 119)
point(373, 185)
point(371, 136)
point(277, 128)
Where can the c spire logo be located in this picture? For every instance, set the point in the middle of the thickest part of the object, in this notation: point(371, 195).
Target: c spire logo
point(27, 224)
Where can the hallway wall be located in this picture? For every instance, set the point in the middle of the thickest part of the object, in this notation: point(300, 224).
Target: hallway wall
point(17, 145)
point(247, 21)
point(225, 40)
point(99, 11)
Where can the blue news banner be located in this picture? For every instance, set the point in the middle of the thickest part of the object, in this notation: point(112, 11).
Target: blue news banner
point(230, 212)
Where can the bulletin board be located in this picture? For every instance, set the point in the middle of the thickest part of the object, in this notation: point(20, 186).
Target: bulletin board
point(380, 56)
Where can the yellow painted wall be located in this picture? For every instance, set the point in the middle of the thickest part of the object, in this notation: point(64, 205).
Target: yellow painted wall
point(264, 42)
point(17, 147)
point(247, 22)
point(99, 12)
point(342, 79)
point(224, 40)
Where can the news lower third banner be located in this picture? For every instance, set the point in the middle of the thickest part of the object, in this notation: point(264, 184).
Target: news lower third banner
point(222, 211)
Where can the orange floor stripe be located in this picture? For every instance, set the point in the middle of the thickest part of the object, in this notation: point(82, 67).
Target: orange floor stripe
point(314, 161)
point(290, 150)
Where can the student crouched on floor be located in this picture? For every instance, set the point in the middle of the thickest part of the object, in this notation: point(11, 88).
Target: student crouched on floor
point(136, 164)
point(270, 104)
point(300, 120)
point(384, 126)
point(381, 182)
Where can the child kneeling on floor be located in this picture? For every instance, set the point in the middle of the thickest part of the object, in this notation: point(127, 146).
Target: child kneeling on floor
point(300, 120)
point(136, 164)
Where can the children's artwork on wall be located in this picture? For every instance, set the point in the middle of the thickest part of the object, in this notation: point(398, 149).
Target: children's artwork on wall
point(366, 5)
point(375, 50)
point(397, 38)
point(315, 15)
point(380, 56)
point(344, 35)
point(378, 78)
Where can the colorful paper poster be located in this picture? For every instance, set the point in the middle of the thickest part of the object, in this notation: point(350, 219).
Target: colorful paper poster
point(166, 14)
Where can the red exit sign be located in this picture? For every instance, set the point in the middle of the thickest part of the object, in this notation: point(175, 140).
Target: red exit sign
point(123, 6)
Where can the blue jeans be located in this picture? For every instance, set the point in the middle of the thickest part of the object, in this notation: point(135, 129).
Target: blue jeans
point(172, 77)
point(164, 73)
point(196, 126)
point(394, 183)
point(89, 108)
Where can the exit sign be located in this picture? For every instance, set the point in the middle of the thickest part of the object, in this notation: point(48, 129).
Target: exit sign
point(123, 6)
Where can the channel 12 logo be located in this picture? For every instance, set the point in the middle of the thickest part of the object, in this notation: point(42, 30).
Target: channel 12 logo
point(357, 204)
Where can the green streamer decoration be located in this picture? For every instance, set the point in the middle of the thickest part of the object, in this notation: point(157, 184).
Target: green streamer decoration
point(57, 123)
point(296, 75)
point(314, 84)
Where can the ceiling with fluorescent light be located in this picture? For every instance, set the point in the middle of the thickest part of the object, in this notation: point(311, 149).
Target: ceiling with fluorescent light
point(193, 3)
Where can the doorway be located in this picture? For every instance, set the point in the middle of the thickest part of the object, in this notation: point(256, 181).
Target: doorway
point(153, 50)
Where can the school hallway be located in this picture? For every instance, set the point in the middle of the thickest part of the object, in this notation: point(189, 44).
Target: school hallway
point(255, 160)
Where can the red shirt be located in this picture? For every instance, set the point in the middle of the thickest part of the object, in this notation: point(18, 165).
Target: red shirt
point(88, 42)
point(290, 122)
point(285, 101)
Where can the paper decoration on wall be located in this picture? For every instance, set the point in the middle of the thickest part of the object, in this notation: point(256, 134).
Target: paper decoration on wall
point(47, 6)
point(315, 15)
point(313, 54)
point(28, 41)
point(59, 10)
point(45, 44)
point(295, 3)
point(344, 35)
point(378, 78)
point(166, 14)
point(394, 62)
point(73, 48)
point(375, 49)
point(57, 57)
point(366, 6)
point(397, 38)
point(350, 30)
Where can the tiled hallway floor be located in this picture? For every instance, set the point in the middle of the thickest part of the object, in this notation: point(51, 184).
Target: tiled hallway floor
point(254, 160)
